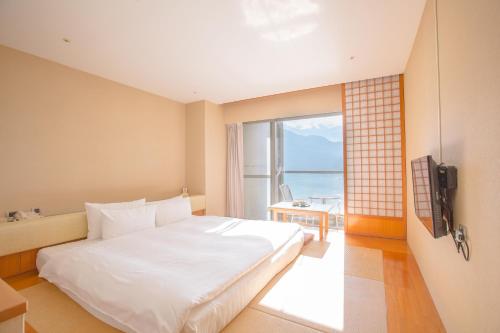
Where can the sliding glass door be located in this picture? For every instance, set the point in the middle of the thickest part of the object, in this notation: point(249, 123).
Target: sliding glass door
point(304, 153)
point(313, 162)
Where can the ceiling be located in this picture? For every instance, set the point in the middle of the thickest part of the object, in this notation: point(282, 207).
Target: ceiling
point(220, 50)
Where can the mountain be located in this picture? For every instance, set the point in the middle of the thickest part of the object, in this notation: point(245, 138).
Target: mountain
point(311, 152)
point(333, 134)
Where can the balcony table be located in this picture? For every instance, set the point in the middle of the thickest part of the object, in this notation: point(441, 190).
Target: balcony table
point(315, 209)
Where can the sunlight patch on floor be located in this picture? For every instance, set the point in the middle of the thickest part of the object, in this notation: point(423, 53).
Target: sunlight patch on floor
point(330, 287)
point(311, 292)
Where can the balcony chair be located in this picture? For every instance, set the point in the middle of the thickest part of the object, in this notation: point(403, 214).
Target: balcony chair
point(286, 193)
point(324, 199)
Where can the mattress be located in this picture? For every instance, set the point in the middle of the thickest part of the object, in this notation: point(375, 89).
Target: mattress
point(211, 316)
point(215, 315)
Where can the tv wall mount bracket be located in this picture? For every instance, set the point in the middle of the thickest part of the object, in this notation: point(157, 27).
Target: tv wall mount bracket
point(447, 177)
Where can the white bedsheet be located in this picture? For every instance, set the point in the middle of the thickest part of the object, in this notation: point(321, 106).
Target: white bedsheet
point(47, 253)
point(149, 281)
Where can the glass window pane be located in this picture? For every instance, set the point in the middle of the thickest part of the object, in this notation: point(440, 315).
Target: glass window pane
point(256, 148)
point(257, 169)
point(257, 198)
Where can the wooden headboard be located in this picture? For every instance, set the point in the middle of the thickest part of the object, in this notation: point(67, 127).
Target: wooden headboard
point(21, 240)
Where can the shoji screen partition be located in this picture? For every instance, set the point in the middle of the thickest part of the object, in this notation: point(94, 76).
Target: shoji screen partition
point(375, 182)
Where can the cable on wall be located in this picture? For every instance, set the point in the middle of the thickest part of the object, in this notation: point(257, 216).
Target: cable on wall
point(458, 235)
point(438, 80)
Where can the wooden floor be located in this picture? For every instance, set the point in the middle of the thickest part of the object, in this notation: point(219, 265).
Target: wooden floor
point(409, 304)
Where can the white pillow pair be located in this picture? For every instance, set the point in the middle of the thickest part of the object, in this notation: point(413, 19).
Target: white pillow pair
point(116, 219)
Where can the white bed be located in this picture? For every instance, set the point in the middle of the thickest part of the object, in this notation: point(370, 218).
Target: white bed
point(235, 288)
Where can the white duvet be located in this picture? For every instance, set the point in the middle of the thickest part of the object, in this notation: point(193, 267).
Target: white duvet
point(150, 280)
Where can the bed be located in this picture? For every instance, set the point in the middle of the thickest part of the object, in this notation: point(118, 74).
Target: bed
point(194, 275)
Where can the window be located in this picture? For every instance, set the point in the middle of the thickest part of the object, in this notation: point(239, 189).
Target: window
point(304, 153)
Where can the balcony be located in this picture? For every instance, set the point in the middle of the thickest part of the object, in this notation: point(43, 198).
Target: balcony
point(325, 186)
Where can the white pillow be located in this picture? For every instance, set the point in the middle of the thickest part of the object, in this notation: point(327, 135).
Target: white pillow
point(171, 210)
point(164, 200)
point(118, 222)
point(94, 214)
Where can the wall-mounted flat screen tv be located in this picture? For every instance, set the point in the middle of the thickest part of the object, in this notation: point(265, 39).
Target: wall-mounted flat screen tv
point(426, 195)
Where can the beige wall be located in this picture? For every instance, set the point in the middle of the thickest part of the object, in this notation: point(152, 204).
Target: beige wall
point(466, 293)
point(206, 154)
point(195, 147)
point(298, 103)
point(67, 137)
point(215, 159)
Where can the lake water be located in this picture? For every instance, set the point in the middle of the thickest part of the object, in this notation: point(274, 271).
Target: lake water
point(305, 185)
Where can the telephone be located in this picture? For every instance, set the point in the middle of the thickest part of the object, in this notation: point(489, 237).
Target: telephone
point(24, 215)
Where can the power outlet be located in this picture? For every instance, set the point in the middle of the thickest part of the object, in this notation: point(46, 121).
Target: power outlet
point(460, 234)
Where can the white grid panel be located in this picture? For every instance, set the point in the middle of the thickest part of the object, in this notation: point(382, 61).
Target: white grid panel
point(373, 147)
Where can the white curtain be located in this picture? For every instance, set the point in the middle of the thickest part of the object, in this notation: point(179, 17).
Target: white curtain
point(235, 170)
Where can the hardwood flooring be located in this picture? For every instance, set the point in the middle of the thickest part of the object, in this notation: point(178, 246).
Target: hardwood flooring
point(409, 304)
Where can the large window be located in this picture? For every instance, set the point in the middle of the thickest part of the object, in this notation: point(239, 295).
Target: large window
point(257, 169)
point(304, 153)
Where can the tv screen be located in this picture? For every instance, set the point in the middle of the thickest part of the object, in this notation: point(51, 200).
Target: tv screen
point(426, 195)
